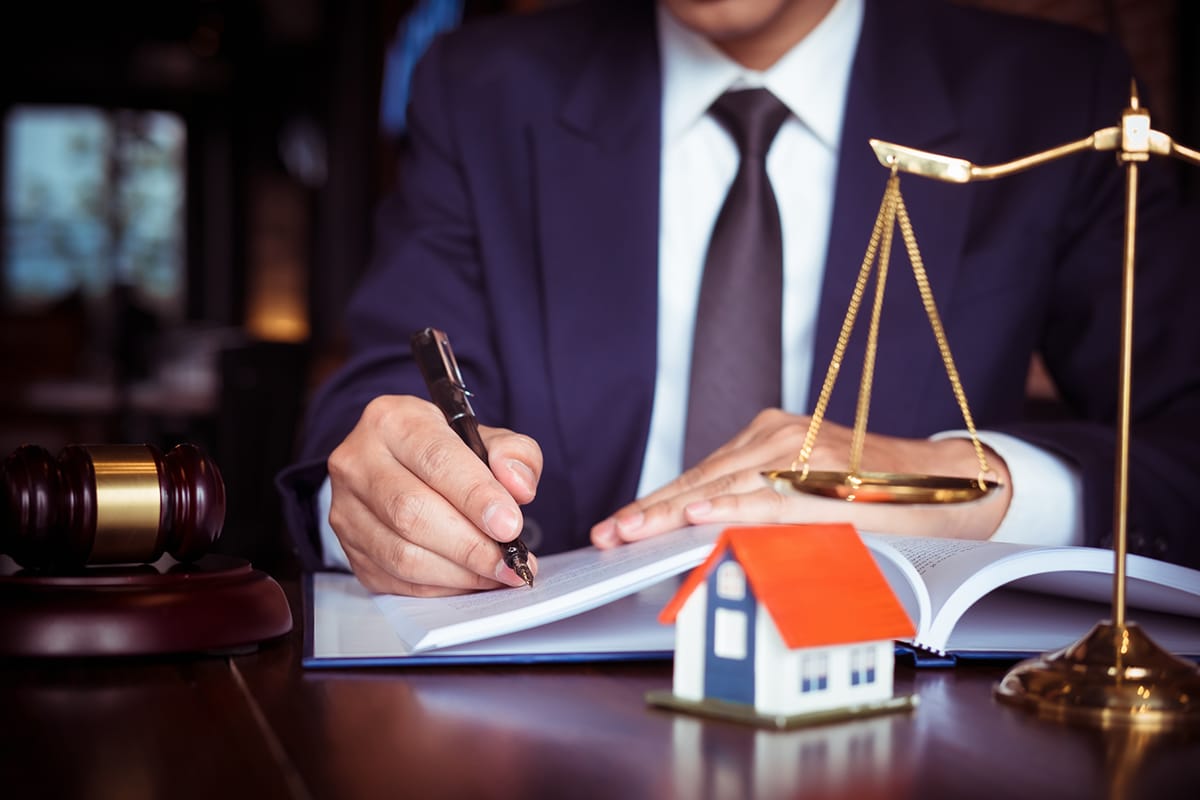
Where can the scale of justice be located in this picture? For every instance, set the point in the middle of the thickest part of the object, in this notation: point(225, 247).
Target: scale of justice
point(1116, 676)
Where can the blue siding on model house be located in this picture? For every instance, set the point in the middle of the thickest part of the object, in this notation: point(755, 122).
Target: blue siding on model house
point(728, 679)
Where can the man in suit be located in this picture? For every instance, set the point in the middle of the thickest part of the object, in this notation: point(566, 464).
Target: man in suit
point(562, 181)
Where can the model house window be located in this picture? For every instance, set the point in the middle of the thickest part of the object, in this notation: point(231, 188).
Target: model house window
point(729, 634)
point(862, 666)
point(731, 581)
point(814, 672)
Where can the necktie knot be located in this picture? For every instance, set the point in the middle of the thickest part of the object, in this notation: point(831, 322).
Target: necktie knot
point(752, 117)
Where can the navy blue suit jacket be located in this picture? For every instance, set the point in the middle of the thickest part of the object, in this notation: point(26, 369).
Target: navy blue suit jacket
point(526, 226)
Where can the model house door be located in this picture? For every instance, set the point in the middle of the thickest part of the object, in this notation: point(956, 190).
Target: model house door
point(729, 634)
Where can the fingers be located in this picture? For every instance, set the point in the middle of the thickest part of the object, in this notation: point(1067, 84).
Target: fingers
point(771, 440)
point(425, 447)
point(766, 505)
point(665, 511)
point(374, 574)
point(761, 505)
point(949, 520)
point(515, 461)
point(417, 511)
point(387, 560)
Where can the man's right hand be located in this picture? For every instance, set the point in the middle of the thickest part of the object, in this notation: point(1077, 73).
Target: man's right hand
point(416, 510)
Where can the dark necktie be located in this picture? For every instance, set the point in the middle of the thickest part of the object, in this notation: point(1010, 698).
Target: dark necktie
point(737, 349)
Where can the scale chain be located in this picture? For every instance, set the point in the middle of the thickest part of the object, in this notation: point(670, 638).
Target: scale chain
point(892, 210)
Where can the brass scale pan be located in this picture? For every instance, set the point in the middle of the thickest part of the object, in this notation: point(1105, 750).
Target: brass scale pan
point(880, 487)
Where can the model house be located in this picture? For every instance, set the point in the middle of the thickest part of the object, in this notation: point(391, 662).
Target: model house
point(784, 621)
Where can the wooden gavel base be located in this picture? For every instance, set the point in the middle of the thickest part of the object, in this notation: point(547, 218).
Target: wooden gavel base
point(213, 605)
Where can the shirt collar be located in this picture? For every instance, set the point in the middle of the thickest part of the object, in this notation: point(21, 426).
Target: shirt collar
point(695, 73)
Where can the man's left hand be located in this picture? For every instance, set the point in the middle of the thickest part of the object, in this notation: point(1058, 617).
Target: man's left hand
point(728, 485)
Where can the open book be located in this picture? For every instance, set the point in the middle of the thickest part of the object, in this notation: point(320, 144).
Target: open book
point(966, 598)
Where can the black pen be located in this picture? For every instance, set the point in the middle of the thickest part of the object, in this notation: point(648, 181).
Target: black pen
point(431, 349)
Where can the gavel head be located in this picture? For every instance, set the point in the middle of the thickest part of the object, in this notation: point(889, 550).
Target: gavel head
point(108, 504)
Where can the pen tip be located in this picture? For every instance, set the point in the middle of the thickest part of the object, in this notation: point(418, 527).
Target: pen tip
point(525, 574)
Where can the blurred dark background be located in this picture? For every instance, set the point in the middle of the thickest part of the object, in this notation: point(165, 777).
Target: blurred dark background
point(188, 194)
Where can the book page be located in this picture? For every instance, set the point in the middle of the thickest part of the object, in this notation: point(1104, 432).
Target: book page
point(567, 583)
point(947, 567)
point(904, 579)
point(1011, 621)
point(349, 627)
point(959, 573)
point(1149, 585)
point(346, 623)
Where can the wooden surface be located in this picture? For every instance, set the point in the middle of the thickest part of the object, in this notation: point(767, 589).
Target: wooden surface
point(258, 726)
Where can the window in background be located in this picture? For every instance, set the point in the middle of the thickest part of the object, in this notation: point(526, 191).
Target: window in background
point(94, 199)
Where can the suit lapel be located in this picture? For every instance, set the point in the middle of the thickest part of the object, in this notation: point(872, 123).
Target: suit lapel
point(597, 185)
point(898, 93)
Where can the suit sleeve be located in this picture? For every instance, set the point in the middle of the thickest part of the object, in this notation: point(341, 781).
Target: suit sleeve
point(425, 271)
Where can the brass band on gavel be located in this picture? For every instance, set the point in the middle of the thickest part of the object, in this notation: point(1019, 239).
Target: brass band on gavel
point(108, 504)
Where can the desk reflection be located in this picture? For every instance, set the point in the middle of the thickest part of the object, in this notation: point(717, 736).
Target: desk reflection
point(543, 730)
point(128, 729)
point(859, 758)
point(558, 732)
point(259, 726)
point(550, 734)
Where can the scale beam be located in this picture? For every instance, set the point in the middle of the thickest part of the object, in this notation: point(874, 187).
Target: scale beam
point(1132, 140)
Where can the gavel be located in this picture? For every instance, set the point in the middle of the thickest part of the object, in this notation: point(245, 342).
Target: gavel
point(108, 504)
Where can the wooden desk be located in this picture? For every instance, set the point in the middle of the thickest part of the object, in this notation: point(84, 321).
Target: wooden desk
point(258, 726)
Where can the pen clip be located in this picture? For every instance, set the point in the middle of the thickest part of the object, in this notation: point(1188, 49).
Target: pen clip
point(439, 367)
point(449, 362)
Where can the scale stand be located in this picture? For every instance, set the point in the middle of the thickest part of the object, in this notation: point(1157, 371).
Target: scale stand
point(1116, 676)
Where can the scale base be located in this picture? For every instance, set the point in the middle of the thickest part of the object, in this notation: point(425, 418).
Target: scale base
point(1114, 677)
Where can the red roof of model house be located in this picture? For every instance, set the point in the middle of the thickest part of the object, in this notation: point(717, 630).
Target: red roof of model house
point(819, 583)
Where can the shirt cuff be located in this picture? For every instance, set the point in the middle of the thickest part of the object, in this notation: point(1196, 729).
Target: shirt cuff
point(332, 554)
point(1047, 492)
